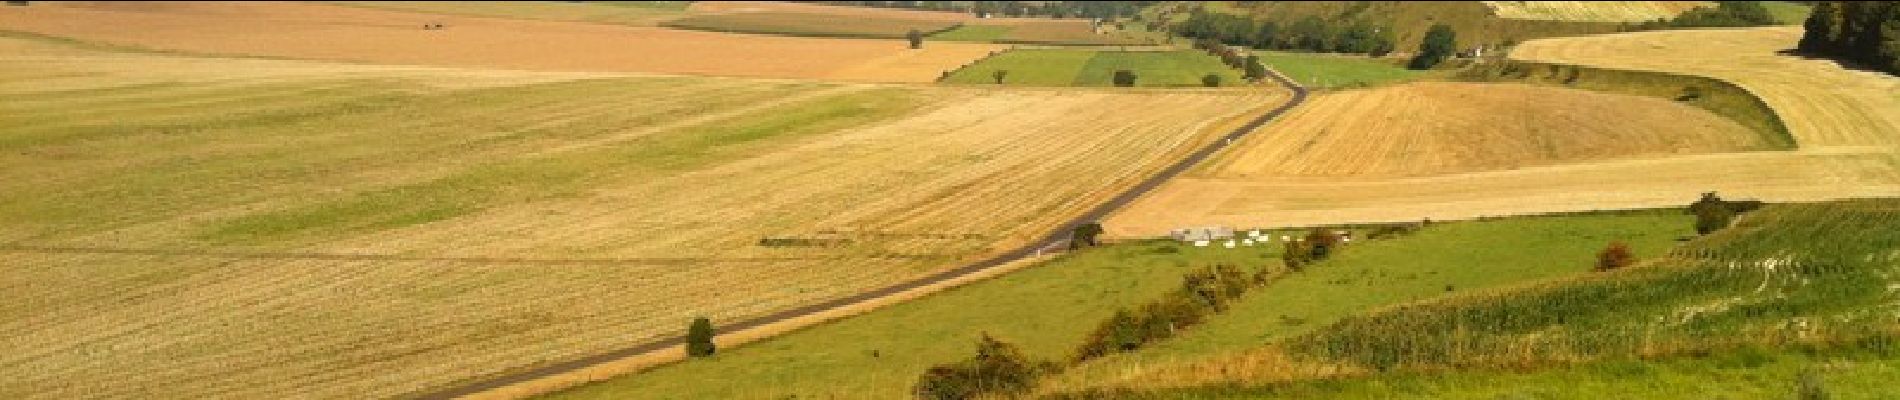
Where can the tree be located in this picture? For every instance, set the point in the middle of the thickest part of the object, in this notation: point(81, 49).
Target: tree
point(1383, 42)
point(999, 74)
point(1124, 78)
point(1322, 243)
point(1295, 255)
point(1711, 213)
point(916, 39)
point(1440, 42)
point(1085, 234)
point(1268, 36)
point(1210, 80)
point(699, 338)
point(998, 369)
point(1311, 33)
point(1616, 256)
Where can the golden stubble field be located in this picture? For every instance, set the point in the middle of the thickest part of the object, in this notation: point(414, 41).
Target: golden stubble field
point(1296, 172)
point(1604, 11)
point(206, 227)
point(344, 33)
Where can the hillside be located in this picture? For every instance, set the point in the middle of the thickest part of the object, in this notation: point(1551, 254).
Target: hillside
point(1474, 22)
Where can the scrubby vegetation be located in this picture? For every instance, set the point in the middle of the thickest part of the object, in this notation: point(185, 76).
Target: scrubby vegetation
point(1440, 43)
point(998, 368)
point(1860, 32)
point(1360, 25)
point(1203, 293)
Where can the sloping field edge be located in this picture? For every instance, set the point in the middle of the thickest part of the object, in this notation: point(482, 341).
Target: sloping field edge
point(1055, 239)
point(1758, 115)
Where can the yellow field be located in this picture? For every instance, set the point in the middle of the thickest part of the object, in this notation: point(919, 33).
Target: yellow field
point(346, 33)
point(1601, 11)
point(1843, 121)
point(180, 227)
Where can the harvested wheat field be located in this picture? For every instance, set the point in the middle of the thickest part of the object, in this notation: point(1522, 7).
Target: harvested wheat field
point(183, 227)
point(1599, 11)
point(343, 33)
point(1845, 122)
point(1475, 127)
point(741, 7)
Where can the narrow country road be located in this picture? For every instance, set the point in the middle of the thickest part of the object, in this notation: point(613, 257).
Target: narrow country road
point(1053, 238)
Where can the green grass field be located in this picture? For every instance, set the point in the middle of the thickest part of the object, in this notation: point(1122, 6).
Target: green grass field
point(1047, 309)
point(1332, 71)
point(1095, 68)
point(972, 33)
point(1788, 12)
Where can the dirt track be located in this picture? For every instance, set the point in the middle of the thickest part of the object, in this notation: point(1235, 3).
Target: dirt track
point(1053, 240)
point(332, 32)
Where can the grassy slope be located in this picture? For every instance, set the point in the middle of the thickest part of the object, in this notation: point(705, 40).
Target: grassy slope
point(1788, 12)
point(1095, 68)
point(1047, 309)
point(1324, 71)
point(1464, 256)
point(1752, 374)
point(1798, 276)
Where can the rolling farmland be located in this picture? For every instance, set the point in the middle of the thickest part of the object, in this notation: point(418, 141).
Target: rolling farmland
point(298, 228)
point(1599, 11)
point(1841, 121)
point(344, 33)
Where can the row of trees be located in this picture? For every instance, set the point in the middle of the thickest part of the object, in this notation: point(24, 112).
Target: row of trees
point(1307, 34)
point(1051, 9)
point(1863, 32)
point(1725, 14)
point(1202, 293)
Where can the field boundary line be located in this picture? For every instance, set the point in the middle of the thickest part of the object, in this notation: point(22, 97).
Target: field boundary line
point(557, 376)
point(82, 250)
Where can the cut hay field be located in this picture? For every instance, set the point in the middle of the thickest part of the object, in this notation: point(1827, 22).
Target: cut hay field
point(637, 13)
point(345, 33)
point(1600, 11)
point(1847, 138)
point(208, 227)
point(1096, 68)
point(800, 24)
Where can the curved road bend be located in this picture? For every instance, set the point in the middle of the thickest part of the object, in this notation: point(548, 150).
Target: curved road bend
point(1052, 239)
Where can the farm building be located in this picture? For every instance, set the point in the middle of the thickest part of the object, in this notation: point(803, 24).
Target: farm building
point(1202, 234)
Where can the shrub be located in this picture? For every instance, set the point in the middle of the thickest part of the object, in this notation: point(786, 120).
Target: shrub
point(1203, 291)
point(999, 74)
point(1210, 80)
point(1712, 213)
point(916, 39)
point(1085, 234)
point(999, 369)
point(1440, 42)
point(1616, 256)
point(699, 338)
point(1295, 255)
point(1321, 243)
point(1124, 78)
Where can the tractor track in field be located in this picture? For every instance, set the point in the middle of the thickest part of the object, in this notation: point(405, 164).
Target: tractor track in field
point(85, 250)
point(1054, 239)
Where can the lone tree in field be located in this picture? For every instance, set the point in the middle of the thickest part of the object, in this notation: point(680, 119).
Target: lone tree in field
point(1124, 78)
point(916, 39)
point(1084, 235)
point(699, 338)
point(999, 74)
point(1616, 256)
point(1711, 213)
point(1210, 80)
point(1322, 243)
point(1440, 42)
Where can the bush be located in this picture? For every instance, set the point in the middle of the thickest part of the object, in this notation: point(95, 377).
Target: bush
point(1085, 234)
point(999, 74)
point(1322, 243)
point(999, 369)
point(1712, 213)
point(1295, 255)
point(1440, 43)
point(1124, 78)
point(1616, 256)
point(699, 338)
point(1210, 80)
point(916, 39)
point(1204, 291)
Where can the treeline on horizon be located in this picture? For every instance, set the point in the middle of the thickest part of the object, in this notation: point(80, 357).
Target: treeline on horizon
point(1051, 9)
point(1866, 33)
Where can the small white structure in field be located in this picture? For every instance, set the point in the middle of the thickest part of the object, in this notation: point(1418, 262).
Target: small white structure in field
point(1229, 244)
point(1285, 238)
point(1202, 234)
point(1200, 243)
point(1345, 239)
point(1248, 242)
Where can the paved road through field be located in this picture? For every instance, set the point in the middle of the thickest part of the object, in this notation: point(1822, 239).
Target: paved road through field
point(1054, 239)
